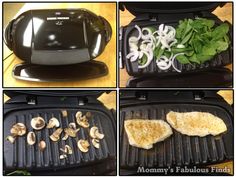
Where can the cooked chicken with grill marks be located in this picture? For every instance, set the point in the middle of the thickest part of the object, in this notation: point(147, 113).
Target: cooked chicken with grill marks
point(144, 133)
point(196, 123)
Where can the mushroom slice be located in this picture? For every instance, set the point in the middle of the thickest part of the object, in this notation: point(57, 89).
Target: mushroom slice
point(42, 145)
point(82, 121)
point(18, 129)
point(95, 143)
point(94, 133)
point(63, 156)
point(78, 114)
point(53, 122)
point(67, 149)
point(83, 145)
point(38, 123)
point(88, 114)
point(56, 134)
point(65, 137)
point(83, 124)
point(31, 138)
point(71, 132)
point(64, 113)
point(72, 125)
point(11, 139)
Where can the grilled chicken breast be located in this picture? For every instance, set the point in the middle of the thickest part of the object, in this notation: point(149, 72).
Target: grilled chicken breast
point(144, 133)
point(196, 123)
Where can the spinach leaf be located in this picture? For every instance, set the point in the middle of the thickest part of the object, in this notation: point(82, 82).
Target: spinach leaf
point(182, 59)
point(220, 31)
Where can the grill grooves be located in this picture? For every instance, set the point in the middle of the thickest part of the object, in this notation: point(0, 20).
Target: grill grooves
point(178, 149)
point(21, 155)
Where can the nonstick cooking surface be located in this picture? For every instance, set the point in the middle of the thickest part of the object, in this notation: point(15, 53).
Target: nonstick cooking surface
point(20, 155)
point(219, 60)
point(177, 150)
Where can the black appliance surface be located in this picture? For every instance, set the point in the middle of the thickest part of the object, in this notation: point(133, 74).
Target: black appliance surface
point(81, 71)
point(57, 36)
point(177, 150)
point(21, 108)
point(154, 14)
point(216, 78)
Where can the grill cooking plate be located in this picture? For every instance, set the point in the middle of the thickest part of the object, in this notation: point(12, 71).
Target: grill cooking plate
point(177, 150)
point(20, 155)
point(219, 60)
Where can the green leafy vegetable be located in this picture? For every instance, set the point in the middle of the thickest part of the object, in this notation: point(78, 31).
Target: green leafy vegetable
point(142, 60)
point(201, 39)
point(19, 173)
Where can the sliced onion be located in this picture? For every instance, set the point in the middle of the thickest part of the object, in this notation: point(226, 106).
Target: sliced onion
point(147, 36)
point(140, 55)
point(133, 56)
point(173, 59)
point(139, 32)
point(149, 54)
point(133, 40)
point(180, 46)
point(161, 27)
point(162, 63)
point(143, 47)
point(163, 57)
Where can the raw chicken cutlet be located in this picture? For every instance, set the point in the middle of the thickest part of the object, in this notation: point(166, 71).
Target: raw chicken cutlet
point(196, 123)
point(144, 133)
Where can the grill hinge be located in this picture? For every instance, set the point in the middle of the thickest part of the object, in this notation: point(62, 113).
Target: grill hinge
point(31, 100)
point(198, 96)
point(81, 102)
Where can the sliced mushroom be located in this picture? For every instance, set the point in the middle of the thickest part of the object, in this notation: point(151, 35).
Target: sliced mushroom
point(94, 133)
point(18, 129)
point(11, 139)
point(82, 121)
point(88, 114)
point(56, 134)
point(64, 113)
point(63, 156)
point(65, 137)
point(42, 145)
point(72, 125)
point(31, 138)
point(83, 145)
point(95, 143)
point(67, 149)
point(84, 124)
point(78, 114)
point(71, 132)
point(38, 123)
point(53, 122)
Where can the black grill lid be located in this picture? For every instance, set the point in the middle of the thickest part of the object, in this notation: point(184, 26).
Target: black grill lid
point(70, 93)
point(170, 7)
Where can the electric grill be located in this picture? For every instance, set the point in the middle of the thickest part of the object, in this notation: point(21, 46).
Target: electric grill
point(58, 41)
point(24, 105)
point(178, 150)
point(154, 14)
